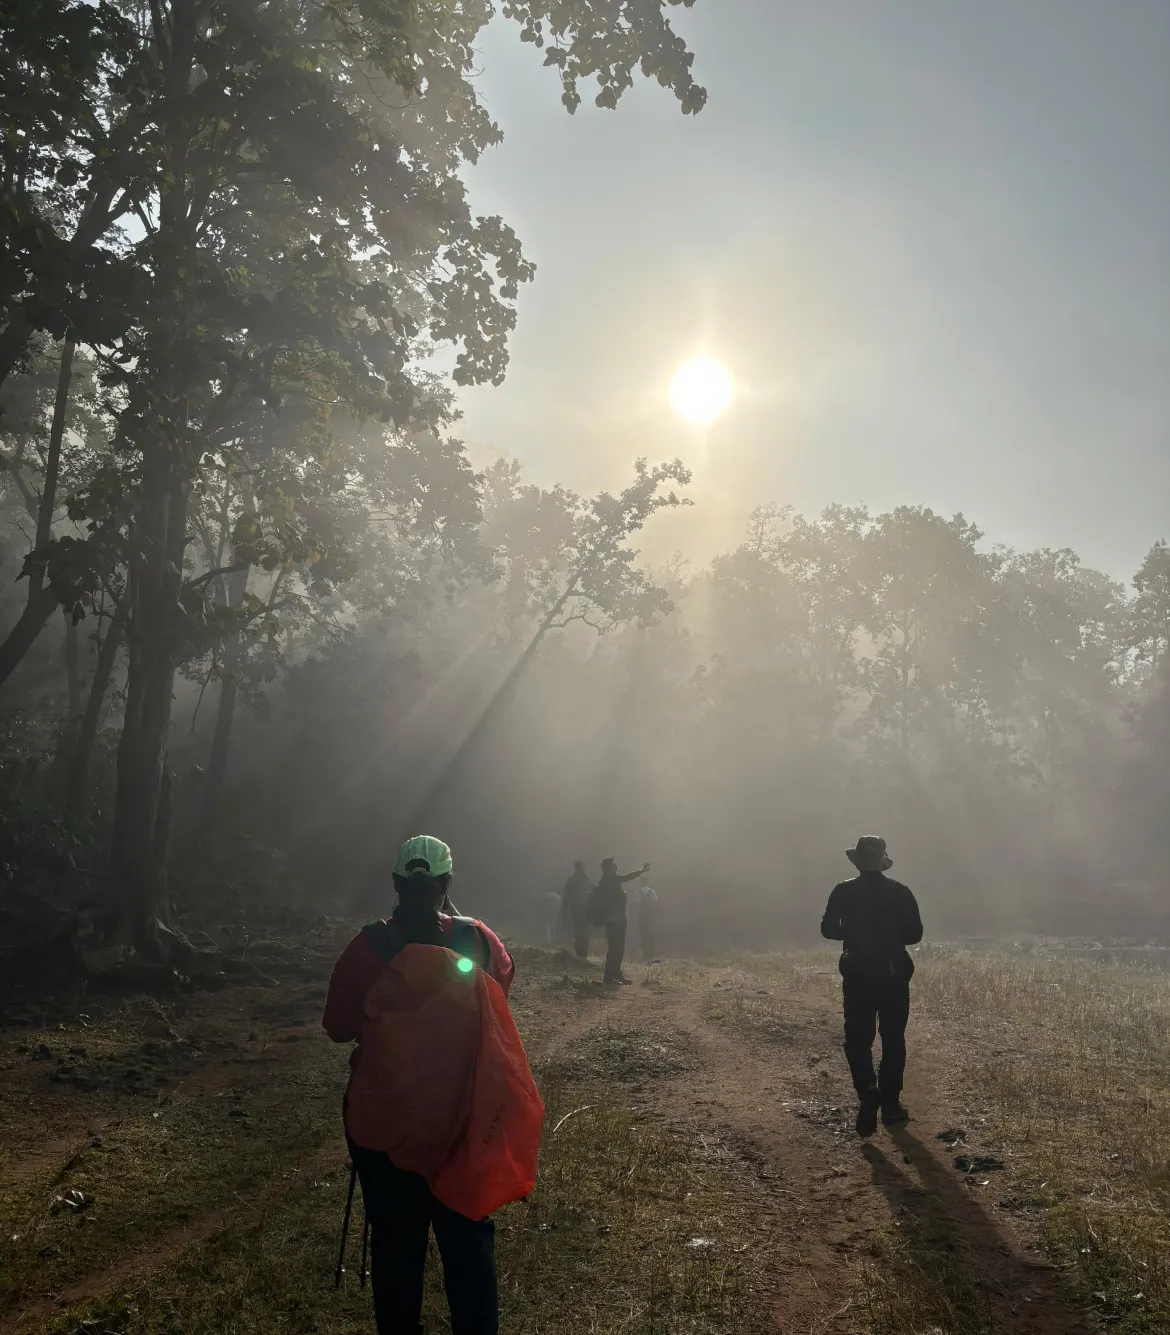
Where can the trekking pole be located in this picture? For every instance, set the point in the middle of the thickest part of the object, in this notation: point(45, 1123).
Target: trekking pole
point(365, 1247)
point(345, 1232)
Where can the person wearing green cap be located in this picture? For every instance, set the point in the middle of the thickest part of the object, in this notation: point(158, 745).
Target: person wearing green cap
point(400, 1205)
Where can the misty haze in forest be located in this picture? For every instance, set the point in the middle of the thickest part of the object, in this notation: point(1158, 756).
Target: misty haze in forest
point(1002, 716)
point(263, 613)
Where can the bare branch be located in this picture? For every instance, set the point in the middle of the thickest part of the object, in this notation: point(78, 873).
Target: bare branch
point(198, 703)
point(215, 574)
point(276, 583)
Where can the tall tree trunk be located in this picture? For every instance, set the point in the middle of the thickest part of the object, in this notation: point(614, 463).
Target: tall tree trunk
point(72, 666)
point(77, 790)
point(132, 905)
point(41, 599)
point(236, 587)
point(67, 742)
point(48, 504)
point(21, 638)
point(161, 843)
point(221, 742)
point(133, 898)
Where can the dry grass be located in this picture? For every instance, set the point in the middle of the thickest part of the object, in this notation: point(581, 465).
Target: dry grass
point(161, 1168)
point(913, 1283)
point(1062, 1062)
point(1068, 1063)
point(774, 996)
point(630, 1226)
point(630, 1230)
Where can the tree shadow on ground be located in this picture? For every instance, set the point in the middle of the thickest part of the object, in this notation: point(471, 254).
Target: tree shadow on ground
point(956, 1244)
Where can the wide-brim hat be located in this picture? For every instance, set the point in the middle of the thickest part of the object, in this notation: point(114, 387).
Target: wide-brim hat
point(870, 854)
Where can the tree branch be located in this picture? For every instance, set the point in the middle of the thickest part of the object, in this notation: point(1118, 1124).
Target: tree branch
point(202, 689)
point(215, 574)
point(276, 583)
point(161, 36)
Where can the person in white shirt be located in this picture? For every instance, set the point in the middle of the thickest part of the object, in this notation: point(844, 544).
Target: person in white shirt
point(552, 918)
point(646, 907)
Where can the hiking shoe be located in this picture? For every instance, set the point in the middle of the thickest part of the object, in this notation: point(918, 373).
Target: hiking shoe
point(621, 978)
point(893, 1114)
point(867, 1117)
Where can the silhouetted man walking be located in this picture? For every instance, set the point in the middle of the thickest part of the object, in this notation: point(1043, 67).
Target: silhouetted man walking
point(875, 918)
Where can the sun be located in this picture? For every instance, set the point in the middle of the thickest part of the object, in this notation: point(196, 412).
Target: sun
point(701, 390)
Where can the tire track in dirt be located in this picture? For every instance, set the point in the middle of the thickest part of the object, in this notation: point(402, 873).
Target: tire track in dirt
point(833, 1196)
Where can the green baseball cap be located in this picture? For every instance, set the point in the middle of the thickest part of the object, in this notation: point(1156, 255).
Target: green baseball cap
point(423, 853)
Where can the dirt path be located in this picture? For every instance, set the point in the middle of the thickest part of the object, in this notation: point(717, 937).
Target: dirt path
point(777, 1107)
point(787, 1106)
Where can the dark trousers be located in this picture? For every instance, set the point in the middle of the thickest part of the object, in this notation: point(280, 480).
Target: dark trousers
point(871, 1008)
point(402, 1212)
point(581, 940)
point(615, 950)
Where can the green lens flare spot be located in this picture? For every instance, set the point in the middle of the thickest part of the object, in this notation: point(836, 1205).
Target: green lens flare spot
point(465, 966)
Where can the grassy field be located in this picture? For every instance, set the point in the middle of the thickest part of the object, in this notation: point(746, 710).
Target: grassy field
point(1063, 1064)
point(218, 1209)
point(193, 1178)
point(1069, 1063)
point(604, 1244)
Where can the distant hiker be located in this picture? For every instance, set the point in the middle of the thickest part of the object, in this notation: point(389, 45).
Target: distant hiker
point(645, 901)
point(875, 918)
point(575, 909)
point(441, 1114)
point(607, 907)
point(552, 917)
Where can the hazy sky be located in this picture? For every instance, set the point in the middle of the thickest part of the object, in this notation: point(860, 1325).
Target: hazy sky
point(930, 238)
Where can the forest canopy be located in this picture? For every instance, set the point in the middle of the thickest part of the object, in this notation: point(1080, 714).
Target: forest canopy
point(261, 615)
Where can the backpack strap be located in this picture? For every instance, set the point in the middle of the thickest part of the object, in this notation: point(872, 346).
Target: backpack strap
point(466, 938)
point(385, 938)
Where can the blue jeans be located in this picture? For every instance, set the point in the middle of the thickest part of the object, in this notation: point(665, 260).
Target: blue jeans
point(402, 1212)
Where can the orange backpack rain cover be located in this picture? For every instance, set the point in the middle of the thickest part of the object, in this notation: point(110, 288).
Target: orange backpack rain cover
point(442, 1084)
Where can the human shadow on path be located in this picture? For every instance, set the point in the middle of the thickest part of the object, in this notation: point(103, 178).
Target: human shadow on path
point(955, 1239)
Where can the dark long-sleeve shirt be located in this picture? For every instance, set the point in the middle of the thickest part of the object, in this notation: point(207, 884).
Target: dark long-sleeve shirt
point(612, 892)
point(575, 900)
point(874, 918)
